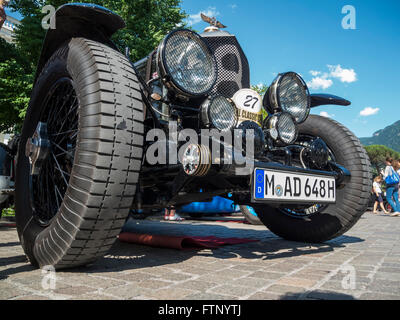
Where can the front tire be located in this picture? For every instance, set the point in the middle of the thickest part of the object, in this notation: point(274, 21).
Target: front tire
point(352, 201)
point(70, 213)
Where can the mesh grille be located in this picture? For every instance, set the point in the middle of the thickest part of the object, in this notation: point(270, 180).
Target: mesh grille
point(232, 64)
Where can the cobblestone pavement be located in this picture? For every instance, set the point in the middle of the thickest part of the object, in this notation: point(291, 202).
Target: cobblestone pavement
point(268, 270)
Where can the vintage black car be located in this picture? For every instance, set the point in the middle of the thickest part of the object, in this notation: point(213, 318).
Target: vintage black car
point(103, 135)
point(6, 177)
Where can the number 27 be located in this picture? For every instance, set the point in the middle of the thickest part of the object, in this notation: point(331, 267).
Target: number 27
point(249, 100)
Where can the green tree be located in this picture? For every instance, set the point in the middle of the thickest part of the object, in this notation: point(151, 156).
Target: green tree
point(15, 87)
point(148, 21)
point(378, 154)
point(261, 89)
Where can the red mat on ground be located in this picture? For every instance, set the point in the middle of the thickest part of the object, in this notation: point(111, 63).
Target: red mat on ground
point(7, 225)
point(180, 243)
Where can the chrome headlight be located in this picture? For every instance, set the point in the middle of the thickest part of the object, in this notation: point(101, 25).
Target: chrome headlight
point(282, 127)
point(289, 93)
point(219, 112)
point(186, 64)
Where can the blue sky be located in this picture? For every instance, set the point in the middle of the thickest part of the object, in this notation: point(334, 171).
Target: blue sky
point(306, 36)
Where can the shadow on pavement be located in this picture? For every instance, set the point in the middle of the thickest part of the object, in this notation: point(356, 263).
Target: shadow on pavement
point(318, 295)
point(123, 256)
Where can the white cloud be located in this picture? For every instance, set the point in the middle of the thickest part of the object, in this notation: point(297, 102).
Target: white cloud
point(345, 75)
point(320, 83)
point(324, 80)
point(233, 6)
point(315, 73)
point(196, 18)
point(326, 114)
point(369, 112)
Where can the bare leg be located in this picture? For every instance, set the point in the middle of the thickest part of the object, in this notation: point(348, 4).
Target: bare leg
point(375, 207)
point(383, 208)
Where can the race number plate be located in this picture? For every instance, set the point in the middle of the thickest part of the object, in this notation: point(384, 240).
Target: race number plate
point(249, 106)
point(286, 187)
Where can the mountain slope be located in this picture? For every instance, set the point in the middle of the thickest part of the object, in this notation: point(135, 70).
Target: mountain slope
point(390, 137)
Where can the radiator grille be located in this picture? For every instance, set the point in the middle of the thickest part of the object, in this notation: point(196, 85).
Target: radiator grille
point(233, 67)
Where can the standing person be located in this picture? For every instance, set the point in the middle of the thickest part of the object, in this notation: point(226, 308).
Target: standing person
point(392, 187)
point(3, 15)
point(396, 167)
point(171, 215)
point(378, 195)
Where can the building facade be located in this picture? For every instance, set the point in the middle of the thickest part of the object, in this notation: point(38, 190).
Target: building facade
point(8, 29)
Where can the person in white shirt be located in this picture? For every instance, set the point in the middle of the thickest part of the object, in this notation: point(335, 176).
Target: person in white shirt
point(392, 190)
point(378, 195)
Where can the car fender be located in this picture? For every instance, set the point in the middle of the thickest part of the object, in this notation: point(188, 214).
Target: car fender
point(79, 20)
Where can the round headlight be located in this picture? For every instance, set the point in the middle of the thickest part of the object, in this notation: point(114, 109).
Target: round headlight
point(219, 113)
point(186, 63)
point(289, 93)
point(282, 127)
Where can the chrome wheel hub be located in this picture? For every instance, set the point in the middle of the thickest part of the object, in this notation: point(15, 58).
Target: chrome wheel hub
point(38, 148)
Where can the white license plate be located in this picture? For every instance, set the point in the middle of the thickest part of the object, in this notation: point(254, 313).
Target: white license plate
point(280, 186)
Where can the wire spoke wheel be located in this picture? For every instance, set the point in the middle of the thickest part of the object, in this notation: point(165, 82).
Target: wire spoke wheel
point(48, 187)
point(80, 155)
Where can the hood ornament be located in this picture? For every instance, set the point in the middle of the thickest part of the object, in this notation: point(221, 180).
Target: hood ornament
point(214, 24)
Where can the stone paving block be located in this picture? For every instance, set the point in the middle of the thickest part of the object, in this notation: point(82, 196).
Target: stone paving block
point(266, 275)
point(32, 297)
point(296, 282)
point(323, 266)
point(171, 294)
point(329, 295)
point(209, 297)
point(284, 267)
point(389, 270)
point(220, 278)
point(94, 296)
point(9, 291)
point(126, 291)
point(231, 273)
point(72, 291)
point(251, 282)
point(154, 284)
point(391, 276)
point(264, 296)
point(196, 285)
point(282, 289)
point(246, 267)
point(385, 286)
point(378, 296)
point(192, 270)
point(312, 274)
point(237, 291)
point(92, 281)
